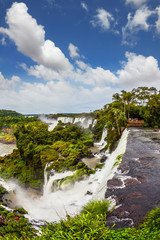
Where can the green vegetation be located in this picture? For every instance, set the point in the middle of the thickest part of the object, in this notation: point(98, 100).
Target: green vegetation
point(141, 103)
point(118, 160)
point(6, 113)
point(14, 226)
point(63, 147)
point(80, 174)
point(9, 121)
point(91, 224)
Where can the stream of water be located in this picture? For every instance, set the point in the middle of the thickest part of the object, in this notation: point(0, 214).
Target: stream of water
point(54, 205)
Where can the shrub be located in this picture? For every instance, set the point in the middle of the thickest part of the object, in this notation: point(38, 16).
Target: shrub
point(98, 207)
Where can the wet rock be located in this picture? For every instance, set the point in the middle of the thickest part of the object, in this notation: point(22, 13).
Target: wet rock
point(142, 179)
point(142, 187)
point(103, 158)
point(130, 182)
point(135, 195)
point(116, 223)
point(88, 193)
point(123, 167)
point(115, 182)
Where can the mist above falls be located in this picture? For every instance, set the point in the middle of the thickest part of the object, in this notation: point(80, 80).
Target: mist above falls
point(54, 205)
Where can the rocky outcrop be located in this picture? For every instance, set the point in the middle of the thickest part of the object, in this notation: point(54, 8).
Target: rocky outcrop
point(136, 187)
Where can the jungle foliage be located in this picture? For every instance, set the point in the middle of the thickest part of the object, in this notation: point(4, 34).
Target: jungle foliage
point(13, 225)
point(91, 224)
point(9, 120)
point(63, 147)
point(140, 103)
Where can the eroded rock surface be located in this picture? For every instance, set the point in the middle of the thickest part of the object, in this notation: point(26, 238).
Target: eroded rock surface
point(136, 186)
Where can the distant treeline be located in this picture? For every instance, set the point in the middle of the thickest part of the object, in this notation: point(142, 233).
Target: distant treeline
point(5, 113)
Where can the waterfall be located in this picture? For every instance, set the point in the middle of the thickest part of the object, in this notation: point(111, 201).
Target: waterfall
point(102, 142)
point(49, 186)
point(65, 119)
point(108, 170)
point(56, 203)
point(83, 122)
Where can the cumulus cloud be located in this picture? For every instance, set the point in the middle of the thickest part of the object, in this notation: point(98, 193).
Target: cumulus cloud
point(81, 64)
point(84, 6)
point(29, 38)
point(95, 86)
point(103, 19)
point(158, 21)
point(55, 97)
point(139, 71)
point(42, 72)
point(95, 76)
point(73, 51)
point(6, 83)
point(137, 3)
point(82, 74)
point(3, 41)
point(135, 24)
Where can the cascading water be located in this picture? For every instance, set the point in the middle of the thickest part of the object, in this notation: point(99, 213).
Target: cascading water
point(102, 142)
point(53, 206)
point(49, 185)
point(83, 122)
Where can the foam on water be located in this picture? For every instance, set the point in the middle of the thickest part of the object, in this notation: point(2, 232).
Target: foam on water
point(53, 206)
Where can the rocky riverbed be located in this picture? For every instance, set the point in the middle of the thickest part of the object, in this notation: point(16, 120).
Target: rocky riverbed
point(135, 187)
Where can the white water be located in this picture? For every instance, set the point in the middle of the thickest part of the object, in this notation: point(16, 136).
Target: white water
point(80, 121)
point(48, 184)
point(102, 143)
point(6, 148)
point(53, 206)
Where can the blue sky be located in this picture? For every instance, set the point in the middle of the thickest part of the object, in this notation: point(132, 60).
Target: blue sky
point(73, 55)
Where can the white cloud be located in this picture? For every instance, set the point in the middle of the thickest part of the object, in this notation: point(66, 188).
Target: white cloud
point(55, 97)
point(40, 71)
point(5, 83)
point(137, 3)
point(94, 89)
point(29, 38)
point(73, 51)
point(81, 65)
point(84, 5)
point(95, 76)
point(139, 71)
point(135, 24)
point(136, 71)
point(103, 19)
point(158, 21)
point(3, 41)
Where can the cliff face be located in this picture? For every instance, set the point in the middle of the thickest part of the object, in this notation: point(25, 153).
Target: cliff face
point(136, 186)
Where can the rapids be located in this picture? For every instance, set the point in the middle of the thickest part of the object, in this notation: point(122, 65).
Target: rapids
point(55, 205)
point(135, 185)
